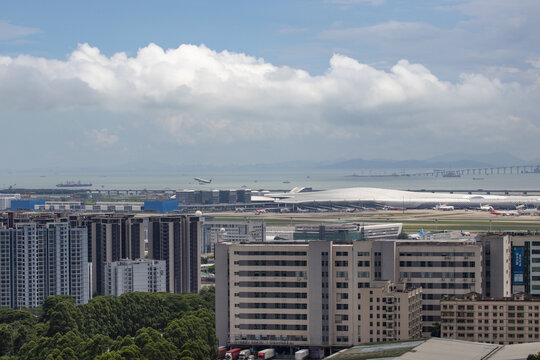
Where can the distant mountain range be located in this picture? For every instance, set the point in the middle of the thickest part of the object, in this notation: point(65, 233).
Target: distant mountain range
point(447, 161)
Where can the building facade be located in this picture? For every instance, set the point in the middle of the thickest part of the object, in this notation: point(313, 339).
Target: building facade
point(142, 275)
point(237, 231)
point(317, 294)
point(441, 268)
point(37, 261)
point(113, 238)
point(5, 200)
point(177, 240)
point(507, 321)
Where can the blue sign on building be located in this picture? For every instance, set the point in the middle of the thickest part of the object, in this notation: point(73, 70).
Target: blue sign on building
point(26, 205)
point(517, 265)
point(161, 206)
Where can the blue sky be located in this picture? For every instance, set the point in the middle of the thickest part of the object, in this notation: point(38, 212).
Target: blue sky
point(263, 81)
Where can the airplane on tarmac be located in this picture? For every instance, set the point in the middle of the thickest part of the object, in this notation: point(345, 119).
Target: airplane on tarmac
point(534, 212)
point(203, 181)
point(260, 211)
point(465, 233)
point(484, 207)
point(416, 236)
point(444, 207)
point(504, 212)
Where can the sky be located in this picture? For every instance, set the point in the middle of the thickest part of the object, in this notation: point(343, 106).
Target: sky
point(107, 83)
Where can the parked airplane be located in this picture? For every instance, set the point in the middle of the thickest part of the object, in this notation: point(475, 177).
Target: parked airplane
point(416, 236)
point(465, 233)
point(444, 207)
point(203, 181)
point(504, 212)
point(484, 207)
point(260, 211)
point(534, 212)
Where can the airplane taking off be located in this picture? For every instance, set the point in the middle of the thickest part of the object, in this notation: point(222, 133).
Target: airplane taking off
point(416, 236)
point(504, 212)
point(203, 181)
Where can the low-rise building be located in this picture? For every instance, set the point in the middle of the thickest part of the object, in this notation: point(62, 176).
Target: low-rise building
point(142, 275)
point(390, 312)
point(506, 321)
point(5, 200)
point(231, 231)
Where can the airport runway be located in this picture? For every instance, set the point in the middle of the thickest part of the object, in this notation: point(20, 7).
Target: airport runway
point(413, 220)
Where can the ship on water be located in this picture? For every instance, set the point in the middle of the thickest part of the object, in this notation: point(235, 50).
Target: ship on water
point(73, 184)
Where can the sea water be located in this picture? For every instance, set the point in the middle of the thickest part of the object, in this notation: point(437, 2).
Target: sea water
point(318, 179)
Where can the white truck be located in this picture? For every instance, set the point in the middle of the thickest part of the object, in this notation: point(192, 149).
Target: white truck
point(301, 354)
point(244, 354)
point(266, 354)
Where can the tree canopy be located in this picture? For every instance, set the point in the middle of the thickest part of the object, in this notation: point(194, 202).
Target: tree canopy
point(134, 326)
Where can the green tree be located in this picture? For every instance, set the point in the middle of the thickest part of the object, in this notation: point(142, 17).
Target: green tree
point(63, 317)
point(96, 346)
point(6, 339)
point(155, 347)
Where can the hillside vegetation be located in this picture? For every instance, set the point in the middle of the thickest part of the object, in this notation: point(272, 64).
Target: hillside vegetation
point(143, 326)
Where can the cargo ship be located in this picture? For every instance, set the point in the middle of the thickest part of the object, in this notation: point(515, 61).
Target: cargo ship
point(73, 184)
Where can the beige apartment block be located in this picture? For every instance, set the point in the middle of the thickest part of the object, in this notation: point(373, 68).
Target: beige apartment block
point(508, 321)
point(442, 269)
point(317, 294)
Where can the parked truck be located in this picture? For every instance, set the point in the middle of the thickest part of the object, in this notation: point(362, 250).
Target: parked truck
point(266, 354)
point(244, 354)
point(301, 354)
point(232, 354)
point(222, 350)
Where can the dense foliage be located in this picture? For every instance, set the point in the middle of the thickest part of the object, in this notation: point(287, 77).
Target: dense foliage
point(143, 326)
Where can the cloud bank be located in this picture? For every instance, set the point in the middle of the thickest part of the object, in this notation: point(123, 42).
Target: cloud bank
point(195, 94)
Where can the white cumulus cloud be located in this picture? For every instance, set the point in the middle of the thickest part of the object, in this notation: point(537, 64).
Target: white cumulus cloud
point(197, 94)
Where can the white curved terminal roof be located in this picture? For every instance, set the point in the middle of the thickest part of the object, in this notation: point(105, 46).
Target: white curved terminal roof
point(400, 198)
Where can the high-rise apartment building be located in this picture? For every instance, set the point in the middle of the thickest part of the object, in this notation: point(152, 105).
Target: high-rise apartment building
point(38, 261)
point(113, 238)
point(177, 240)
